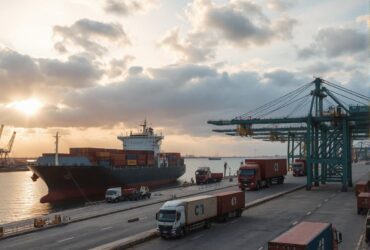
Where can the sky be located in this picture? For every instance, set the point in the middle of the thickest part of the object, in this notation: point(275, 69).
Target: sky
point(93, 70)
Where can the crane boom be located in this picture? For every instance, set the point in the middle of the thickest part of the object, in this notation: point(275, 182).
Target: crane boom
point(1, 129)
point(10, 144)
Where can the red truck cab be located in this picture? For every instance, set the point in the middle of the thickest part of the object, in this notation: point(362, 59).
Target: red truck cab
point(299, 167)
point(250, 175)
point(203, 175)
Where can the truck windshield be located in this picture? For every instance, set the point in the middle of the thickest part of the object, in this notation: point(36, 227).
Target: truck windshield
point(297, 166)
point(110, 192)
point(199, 172)
point(167, 215)
point(247, 172)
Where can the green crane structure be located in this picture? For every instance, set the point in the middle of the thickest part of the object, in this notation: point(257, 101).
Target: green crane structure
point(324, 135)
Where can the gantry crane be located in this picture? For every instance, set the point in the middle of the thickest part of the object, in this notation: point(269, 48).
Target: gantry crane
point(323, 134)
point(4, 152)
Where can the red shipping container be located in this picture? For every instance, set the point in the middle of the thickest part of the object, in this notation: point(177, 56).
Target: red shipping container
point(141, 162)
point(141, 157)
point(269, 167)
point(306, 235)
point(231, 201)
point(363, 203)
point(361, 186)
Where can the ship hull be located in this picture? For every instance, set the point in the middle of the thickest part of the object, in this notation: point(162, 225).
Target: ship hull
point(71, 182)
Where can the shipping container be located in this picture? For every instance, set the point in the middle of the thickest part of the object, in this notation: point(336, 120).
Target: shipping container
point(230, 202)
point(363, 203)
point(59, 154)
point(270, 167)
point(151, 162)
point(131, 162)
point(361, 186)
point(103, 154)
point(307, 236)
point(141, 162)
point(200, 208)
point(131, 157)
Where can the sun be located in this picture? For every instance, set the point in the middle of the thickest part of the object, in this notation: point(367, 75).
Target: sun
point(29, 107)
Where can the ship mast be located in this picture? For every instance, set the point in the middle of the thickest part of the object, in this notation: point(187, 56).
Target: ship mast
point(144, 127)
point(57, 136)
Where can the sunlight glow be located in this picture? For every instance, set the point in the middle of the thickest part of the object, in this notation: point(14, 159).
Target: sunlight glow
point(29, 106)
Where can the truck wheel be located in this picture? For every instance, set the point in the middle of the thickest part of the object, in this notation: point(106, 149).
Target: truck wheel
point(239, 213)
point(182, 232)
point(258, 186)
point(207, 224)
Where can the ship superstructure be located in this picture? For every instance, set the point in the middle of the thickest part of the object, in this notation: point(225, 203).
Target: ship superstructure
point(144, 141)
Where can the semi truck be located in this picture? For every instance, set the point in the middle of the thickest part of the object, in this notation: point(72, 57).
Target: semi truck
point(306, 236)
point(363, 202)
point(203, 175)
point(258, 173)
point(299, 167)
point(178, 217)
point(116, 194)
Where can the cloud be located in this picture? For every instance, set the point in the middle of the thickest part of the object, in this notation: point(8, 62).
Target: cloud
point(135, 70)
point(363, 19)
point(336, 42)
point(22, 75)
point(118, 66)
point(128, 7)
point(179, 97)
point(185, 48)
point(280, 5)
point(89, 35)
point(240, 23)
point(76, 72)
point(280, 77)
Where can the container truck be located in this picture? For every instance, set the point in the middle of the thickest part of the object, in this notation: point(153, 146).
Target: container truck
point(258, 173)
point(361, 186)
point(178, 217)
point(363, 203)
point(203, 175)
point(120, 194)
point(299, 167)
point(308, 236)
point(230, 204)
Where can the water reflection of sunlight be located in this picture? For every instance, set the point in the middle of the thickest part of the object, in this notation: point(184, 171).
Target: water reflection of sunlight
point(20, 197)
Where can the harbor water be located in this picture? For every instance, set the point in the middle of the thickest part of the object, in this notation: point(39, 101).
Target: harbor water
point(20, 196)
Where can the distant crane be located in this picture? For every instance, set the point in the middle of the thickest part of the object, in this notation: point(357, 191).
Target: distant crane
point(4, 152)
point(1, 129)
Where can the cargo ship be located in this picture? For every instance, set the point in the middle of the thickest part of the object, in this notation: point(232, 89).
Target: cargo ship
point(89, 172)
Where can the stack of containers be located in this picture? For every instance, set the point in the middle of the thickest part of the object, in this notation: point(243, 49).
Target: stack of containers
point(131, 159)
point(173, 158)
point(150, 158)
point(141, 159)
point(118, 160)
